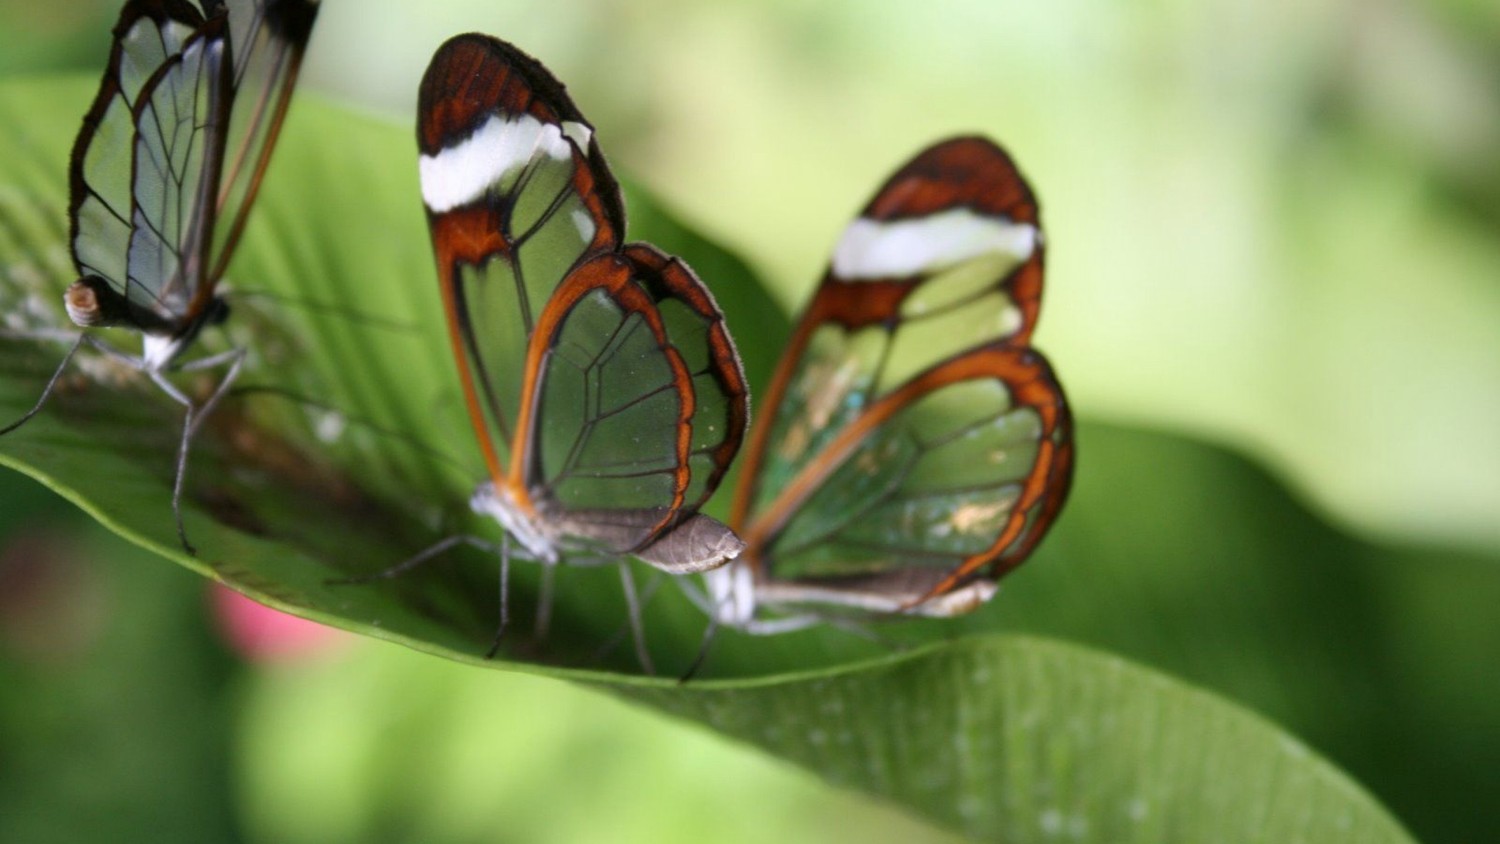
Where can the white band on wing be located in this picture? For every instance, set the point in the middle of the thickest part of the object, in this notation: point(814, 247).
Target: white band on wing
point(462, 173)
point(901, 248)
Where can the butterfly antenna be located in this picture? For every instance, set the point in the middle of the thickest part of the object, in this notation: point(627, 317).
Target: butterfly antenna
point(47, 391)
point(504, 597)
point(637, 629)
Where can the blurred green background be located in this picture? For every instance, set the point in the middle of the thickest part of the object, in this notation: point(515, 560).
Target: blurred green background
point(1271, 226)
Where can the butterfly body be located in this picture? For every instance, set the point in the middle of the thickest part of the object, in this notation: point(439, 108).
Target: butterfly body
point(520, 521)
point(912, 447)
point(91, 303)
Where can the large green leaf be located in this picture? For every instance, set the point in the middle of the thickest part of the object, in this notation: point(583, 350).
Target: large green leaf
point(1001, 736)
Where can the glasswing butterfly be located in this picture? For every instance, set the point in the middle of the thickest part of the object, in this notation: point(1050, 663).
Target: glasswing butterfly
point(912, 447)
point(163, 174)
point(605, 391)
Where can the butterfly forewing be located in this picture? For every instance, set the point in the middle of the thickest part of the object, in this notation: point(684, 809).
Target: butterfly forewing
point(913, 438)
point(946, 257)
point(513, 203)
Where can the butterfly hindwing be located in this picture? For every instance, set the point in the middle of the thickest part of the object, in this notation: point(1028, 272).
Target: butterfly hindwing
point(911, 440)
point(641, 396)
point(269, 39)
point(956, 472)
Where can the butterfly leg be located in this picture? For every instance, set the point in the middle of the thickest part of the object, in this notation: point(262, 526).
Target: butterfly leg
point(46, 391)
point(544, 603)
point(637, 629)
point(504, 597)
point(132, 361)
point(42, 335)
point(627, 628)
point(697, 597)
point(417, 559)
point(236, 360)
point(717, 610)
point(861, 631)
point(778, 626)
point(193, 420)
point(182, 452)
point(708, 638)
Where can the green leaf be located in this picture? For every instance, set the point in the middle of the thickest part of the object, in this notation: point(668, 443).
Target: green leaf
point(1001, 736)
point(1018, 740)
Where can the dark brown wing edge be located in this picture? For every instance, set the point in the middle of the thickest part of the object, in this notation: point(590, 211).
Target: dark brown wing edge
point(637, 280)
point(1030, 380)
point(473, 75)
point(1046, 488)
point(666, 276)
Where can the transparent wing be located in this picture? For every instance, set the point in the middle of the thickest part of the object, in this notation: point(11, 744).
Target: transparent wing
point(102, 172)
point(268, 40)
point(958, 472)
point(179, 146)
point(908, 427)
point(640, 403)
point(517, 194)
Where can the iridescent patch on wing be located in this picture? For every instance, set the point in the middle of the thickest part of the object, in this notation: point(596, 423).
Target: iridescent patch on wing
point(912, 447)
point(601, 381)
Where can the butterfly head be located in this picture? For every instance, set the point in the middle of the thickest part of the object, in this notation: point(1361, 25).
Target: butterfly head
point(92, 303)
point(500, 505)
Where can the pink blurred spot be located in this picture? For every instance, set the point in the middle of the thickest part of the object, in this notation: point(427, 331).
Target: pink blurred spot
point(261, 634)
